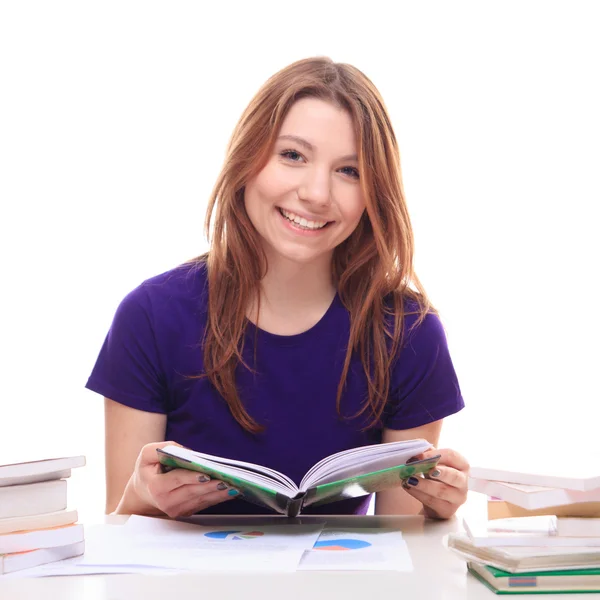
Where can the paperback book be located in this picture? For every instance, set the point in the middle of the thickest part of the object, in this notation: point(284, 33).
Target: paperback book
point(536, 582)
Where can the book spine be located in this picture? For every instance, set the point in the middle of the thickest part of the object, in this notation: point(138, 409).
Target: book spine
point(294, 506)
point(579, 527)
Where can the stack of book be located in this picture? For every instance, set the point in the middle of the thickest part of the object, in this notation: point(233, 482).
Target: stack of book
point(542, 533)
point(36, 527)
point(520, 494)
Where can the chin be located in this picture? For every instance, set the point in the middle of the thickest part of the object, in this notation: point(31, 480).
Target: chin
point(299, 256)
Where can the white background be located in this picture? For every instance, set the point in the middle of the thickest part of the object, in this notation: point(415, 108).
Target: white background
point(114, 118)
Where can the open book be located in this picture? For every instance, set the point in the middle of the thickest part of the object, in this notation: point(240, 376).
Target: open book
point(347, 474)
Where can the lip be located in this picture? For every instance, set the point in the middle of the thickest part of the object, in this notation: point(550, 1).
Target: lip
point(297, 231)
point(305, 215)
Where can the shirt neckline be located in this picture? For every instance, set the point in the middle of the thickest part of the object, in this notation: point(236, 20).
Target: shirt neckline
point(296, 338)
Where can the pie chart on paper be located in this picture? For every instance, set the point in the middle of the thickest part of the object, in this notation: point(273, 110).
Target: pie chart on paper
point(341, 545)
point(234, 535)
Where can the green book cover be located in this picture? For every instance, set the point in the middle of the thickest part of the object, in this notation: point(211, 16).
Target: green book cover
point(558, 573)
point(252, 492)
point(576, 581)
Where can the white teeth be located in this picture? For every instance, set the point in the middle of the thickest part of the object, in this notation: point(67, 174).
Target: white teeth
point(301, 221)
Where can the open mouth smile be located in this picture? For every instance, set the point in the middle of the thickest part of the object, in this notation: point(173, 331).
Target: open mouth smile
point(301, 222)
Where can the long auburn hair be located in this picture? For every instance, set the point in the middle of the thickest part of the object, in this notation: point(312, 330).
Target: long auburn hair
point(372, 268)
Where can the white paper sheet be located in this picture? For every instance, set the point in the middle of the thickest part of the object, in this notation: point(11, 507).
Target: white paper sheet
point(358, 550)
point(147, 544)
point(163, 543)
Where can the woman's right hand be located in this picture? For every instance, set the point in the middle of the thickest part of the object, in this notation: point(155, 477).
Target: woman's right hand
point(177, 493)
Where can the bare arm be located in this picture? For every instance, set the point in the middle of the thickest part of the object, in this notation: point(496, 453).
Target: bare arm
point(127, 430)
point(397, 501)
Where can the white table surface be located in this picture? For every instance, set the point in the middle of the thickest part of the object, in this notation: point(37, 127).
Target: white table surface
point(438, 573)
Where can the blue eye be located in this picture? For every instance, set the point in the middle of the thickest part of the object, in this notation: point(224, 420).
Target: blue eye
point(291, 155)
point(350, 171)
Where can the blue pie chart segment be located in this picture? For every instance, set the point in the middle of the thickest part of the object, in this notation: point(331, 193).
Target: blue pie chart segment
point(220, 535)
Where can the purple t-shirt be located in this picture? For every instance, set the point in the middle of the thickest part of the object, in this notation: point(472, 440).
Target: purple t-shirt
point(153, 352)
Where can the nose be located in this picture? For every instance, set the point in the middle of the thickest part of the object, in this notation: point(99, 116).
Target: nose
point(315, 187)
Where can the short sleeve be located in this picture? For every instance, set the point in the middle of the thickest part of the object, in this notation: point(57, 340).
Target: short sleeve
point(424, 386)
point(128, 367)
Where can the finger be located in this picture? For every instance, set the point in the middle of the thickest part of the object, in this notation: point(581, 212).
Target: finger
point(159, 486)
point(449, 476)
point(425, 489)
point(441, 507)
point(452, 458)
point(415, 458)
point(188, 500)
point(208, 500)
point(148, 454)
point(180, 477)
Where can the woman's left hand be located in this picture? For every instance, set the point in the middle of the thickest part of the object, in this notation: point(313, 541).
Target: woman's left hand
point(444, 488)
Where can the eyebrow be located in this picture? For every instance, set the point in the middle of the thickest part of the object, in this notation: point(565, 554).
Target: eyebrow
point(306, 144)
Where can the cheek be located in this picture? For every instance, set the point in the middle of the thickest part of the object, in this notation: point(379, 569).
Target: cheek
point(250, 199)
point(269, 185)
point(255, 196)
point(356, 208)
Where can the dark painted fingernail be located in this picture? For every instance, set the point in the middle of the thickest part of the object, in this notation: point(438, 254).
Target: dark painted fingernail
point(203, 478)
point(232, 493)
point(221, 486)
point(413, 481)
point(435, 473)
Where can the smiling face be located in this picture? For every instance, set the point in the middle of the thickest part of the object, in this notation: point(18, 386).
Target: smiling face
point(307, 199)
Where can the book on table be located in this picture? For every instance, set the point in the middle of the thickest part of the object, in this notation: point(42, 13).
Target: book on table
point(551, 525)
point(35, 487)
point(578, 527)
point(39, 521)
point(524, 531)
point(577, 476)
point(346, 474)
point(532, 497)
point(33, 498)
point(22, 541)
point(39, 470)
point(17, 561)
point(535, 582)
point(35, 525)
point(521, 559)
point(500, 509)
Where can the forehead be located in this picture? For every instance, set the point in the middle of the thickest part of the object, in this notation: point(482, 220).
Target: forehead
point(322, 124)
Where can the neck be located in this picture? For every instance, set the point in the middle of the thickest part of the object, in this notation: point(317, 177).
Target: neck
point(294, 296)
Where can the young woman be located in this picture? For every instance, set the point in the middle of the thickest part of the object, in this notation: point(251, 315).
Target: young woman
point(302, 332)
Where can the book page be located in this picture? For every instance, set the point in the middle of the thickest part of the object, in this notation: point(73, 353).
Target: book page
point(367, 483)
point(255, 487)
point(362, 460)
